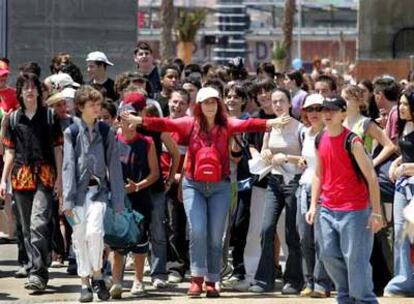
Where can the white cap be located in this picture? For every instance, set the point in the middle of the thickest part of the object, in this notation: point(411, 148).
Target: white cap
point(68, 93)
point(206, 93)
point(313, 99)
point(63, 80)
point(98, 56)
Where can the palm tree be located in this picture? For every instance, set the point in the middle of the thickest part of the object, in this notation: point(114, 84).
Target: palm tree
point(189, 21)
point(166, 40)
point(287, 29)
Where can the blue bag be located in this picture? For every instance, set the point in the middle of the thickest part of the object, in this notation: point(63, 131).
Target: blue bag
point(122, 230)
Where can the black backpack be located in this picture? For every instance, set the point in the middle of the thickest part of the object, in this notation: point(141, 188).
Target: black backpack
point(348, 147)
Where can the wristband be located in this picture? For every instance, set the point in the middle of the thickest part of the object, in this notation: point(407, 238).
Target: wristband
point(136, 187)
point(4, 185)
point(377, 215)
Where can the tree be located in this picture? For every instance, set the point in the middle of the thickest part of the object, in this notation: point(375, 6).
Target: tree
point(189, 21)
point(287, 29)
point(166, 40)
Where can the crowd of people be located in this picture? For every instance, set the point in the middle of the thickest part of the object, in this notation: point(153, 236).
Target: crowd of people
point(211, 157)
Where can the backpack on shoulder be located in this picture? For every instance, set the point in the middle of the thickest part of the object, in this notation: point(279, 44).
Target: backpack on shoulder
point(122, 230)
point(349, 139)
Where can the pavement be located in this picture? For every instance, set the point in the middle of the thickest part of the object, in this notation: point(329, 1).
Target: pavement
point(63, 288)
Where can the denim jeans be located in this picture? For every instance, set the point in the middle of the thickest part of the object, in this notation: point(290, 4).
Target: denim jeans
point(403, 280)
point(346, 246)
point(158, 239)
point(278, 196)
point(206, 206)
point(316, 277)
point(34, 210)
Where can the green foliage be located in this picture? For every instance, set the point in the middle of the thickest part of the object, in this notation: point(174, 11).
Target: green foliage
point(188, 22)
point(279, 51)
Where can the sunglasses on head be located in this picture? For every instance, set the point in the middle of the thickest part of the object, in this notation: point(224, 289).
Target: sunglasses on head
point(313, 109)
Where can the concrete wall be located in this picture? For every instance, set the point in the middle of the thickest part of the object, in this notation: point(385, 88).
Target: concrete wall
point(38, 29)
point(378, 22)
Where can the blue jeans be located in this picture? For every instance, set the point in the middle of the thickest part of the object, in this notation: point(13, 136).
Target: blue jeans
point(346, 246)
point(403, 280)
point(158, 238)
point(316, 277)
point(278, 196)
point(206, 206)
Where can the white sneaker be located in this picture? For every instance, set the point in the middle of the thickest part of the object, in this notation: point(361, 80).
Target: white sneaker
point(138, 289)
point(130, 263)
point(230, 282)
point(116, 291)
point(242, 285)
point(175, 278)
point(160, 284)
point(57, 264)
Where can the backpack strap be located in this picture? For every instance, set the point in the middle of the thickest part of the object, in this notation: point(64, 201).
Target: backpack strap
point(13, 120)
point(50, 117)
point(318, 138)
point(302, 132)
point(349, 141)
point(74, 132)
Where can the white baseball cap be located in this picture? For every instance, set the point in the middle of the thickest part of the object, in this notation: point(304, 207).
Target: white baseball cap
point(313, 99)
point(98, 56)
point(63, 80)
point(206, 93)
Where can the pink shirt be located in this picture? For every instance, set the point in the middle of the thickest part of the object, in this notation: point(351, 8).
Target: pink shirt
point(391, 126)
point(341, 189)
point(189, 132)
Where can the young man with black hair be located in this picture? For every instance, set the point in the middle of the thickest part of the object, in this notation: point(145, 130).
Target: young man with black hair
point(144, 59)
point(170, 77)
point(346, 185)
point(33, 159)
point(97, 63)
point(325, 85)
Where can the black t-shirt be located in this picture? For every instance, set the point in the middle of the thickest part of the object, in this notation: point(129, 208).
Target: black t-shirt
point(154, 79)
point(110, 90)
point(406, 144)
point(256, 140)
point(163, 101)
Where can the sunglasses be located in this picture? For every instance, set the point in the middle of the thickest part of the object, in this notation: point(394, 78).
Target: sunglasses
point(313, 109)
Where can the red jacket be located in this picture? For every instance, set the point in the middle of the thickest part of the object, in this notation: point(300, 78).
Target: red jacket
point(189, 132)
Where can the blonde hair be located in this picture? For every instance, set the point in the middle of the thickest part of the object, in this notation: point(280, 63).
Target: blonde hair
point(355, 93)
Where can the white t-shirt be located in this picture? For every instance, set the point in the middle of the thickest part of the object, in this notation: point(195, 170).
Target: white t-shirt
point(308, 152)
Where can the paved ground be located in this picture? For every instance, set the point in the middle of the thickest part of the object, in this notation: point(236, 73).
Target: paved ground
point(64, 289)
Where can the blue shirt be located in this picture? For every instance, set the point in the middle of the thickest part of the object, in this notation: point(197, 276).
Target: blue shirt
point(86, 160)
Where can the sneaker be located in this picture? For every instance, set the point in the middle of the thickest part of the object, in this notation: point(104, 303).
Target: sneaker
point(242, 285)
point(231, 282)
point(196, 287)
point(175, 278)
point(138, 289)
point(160, 283)
point(100, 289)
point(116, 291)
point(21, 273)
point(320, 294)
point(211, 291)
point(130, 263)
point(86, 295)
point(35, 283)
point(289, 289)
point(306, 292)
point(57, 264)
point(226, 271)
point(256, 289)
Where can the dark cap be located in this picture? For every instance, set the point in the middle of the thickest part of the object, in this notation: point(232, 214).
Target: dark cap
point(335, 103)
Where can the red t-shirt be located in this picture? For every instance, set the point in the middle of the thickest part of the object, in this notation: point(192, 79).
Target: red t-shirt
point(165, 159)
point(189, 131)
point(341, 189)
point(8, 99)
